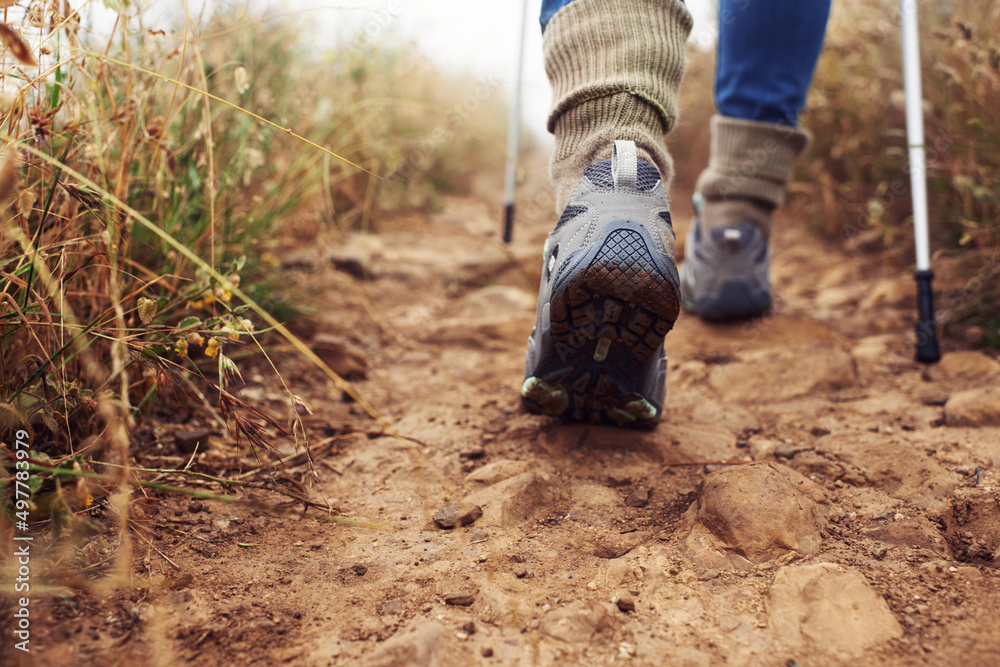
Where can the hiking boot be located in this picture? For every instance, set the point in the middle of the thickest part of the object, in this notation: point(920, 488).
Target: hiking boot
point(609, 294)
point(726, 271)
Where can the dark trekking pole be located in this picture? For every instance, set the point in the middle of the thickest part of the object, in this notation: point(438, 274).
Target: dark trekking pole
point(513, 131)
point(927, 349)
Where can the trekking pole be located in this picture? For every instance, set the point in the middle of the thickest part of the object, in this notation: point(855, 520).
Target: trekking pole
point(927, 349)
point(513, 130)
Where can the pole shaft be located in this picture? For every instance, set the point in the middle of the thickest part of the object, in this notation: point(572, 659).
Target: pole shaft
point(915, 129)
point(927, 348)
point(513, 132)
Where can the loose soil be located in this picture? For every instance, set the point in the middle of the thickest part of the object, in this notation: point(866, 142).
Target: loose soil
point(812, 496)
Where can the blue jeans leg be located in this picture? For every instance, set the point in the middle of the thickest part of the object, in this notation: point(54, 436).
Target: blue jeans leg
point(550, 7)
point(767, 54)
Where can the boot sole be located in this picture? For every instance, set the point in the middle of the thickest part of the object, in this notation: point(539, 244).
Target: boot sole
point(602, 361)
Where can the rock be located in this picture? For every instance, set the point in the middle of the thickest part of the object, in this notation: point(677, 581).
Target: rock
point(964, 366)
point(341, 355)
point(351, 261)
point(827, 608)
point(655, 578)
point(417, 646)
point(359, 569)
point(638, 498)
point(780, 374)
point(787, 451)
point(576, 623)
point(756, 513)
point(302, 260)
point(973, 407)
point(187, 441)
point(457, 514)
point(914, 532)
point(497, 471)
point(708, 575)
point(459, 598)
point(487, 651)
point(516, 499)
point(619, 572)
point(625, 603)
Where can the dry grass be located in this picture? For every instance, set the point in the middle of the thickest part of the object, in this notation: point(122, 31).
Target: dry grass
point(854, 181)
point(144, 178)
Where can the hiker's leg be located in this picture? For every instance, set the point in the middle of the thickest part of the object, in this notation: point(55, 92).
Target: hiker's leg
point(766, 58)
point(609, 287)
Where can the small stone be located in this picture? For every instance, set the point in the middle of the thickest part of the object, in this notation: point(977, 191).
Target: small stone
point(359, 569)
point(787, 451)
point(341, 355)
point(187, 441)
point(708, 575)
point(459, 599)
point(195, 506)
point(474, 452)
point(457, 514)
point(638, 498)
point(522, 573)
point(626, 603)
point(497, 471)
point(973, 407)
point(469, 627)
point(592, 586)
point(487, 651)
point(350, 261)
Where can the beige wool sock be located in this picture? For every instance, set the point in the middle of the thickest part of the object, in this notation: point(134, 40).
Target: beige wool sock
point(749, 167)
point(614, 66)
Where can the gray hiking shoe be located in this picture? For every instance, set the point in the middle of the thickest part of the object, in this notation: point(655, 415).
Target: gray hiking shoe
point(609, 294)
point(726, 272)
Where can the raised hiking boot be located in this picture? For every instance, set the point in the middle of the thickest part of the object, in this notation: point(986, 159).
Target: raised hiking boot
point(609, 294)
point(726, 271)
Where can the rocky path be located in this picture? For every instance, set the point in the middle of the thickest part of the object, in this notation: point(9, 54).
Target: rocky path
point(812, 495)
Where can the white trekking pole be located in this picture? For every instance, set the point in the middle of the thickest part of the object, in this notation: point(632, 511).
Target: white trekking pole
point(513, 130)
point(927, 349)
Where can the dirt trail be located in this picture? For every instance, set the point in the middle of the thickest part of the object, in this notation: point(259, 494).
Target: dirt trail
point(859, 529)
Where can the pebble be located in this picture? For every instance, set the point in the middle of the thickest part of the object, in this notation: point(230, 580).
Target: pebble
point(626, 603)
point(187, 441)
point(469, 627)
point(487, 651)
point(708, 575)
point(638, 498)
point(359, 569)
point(195, 506)
point(459, 599)
point(787, 451)
point(457, 514)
